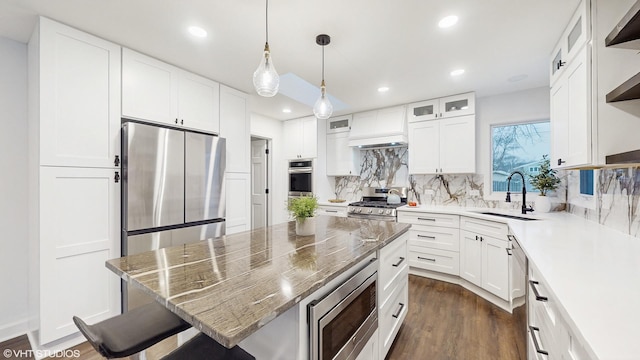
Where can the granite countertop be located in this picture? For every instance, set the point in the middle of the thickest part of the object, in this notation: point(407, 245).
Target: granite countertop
point(231, 286)
point(592, 270)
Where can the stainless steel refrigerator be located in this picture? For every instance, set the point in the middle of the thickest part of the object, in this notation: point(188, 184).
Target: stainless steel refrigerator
point(172, 191)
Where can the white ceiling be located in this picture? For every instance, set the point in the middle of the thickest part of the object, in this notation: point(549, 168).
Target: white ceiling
point(373, 42)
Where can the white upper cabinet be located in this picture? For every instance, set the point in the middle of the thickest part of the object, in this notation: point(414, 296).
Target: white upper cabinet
point(342, 159)
point(155, 91)
point(339, 124)
point(198, 102)
point(575, 35)
point(301, 138)
point(443, 146)
point(79, 97)
point(235, 128)
point(450, 106)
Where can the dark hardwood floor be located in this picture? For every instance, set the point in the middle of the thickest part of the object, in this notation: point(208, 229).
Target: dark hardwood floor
point(445, 322)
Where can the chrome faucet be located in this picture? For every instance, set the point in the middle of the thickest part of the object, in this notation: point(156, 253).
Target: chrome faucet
point(524, 192)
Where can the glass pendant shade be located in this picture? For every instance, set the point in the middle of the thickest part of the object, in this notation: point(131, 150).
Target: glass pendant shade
point(323, 108)
point(265, 79)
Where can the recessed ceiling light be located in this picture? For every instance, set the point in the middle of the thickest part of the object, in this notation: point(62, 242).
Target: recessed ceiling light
point(457, 72)
point(286, 110)
point(197, 31)
point(383, 89)
point(448, 21)
point(517, 78)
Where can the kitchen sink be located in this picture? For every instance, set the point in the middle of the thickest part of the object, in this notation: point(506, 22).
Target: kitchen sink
point(508, 216)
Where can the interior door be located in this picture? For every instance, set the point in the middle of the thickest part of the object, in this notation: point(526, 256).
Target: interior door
point(205, 160)
point(258, 183)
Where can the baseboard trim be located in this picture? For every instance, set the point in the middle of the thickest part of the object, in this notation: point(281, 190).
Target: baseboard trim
point(45, 350)
point(14, 329)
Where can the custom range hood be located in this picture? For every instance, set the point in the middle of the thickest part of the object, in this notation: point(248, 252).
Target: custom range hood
point(379, 128)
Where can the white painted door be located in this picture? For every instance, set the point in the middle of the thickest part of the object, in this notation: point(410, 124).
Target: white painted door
point(80, 98)
point(458, 105)
point(309, 140)
point(471, 257)
point(234, 126)
point(149, 88)
point(424, 110)
point(559, 123)
point(424, 147)
point(238, 200)
point(79, 231)
point(458, 145)
point(579, 119)
point(258, 184)
point(495, 266)
point(198, 102)
point(342, 160)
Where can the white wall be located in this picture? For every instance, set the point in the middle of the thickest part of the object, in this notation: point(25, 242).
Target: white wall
point(265, 127)
point(13, 188)
point(515, 107)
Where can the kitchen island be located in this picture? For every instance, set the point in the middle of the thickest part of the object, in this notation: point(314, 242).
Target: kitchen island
point(232, 286)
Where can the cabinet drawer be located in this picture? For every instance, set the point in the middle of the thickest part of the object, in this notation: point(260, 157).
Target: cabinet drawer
point(435, 237)
point(393, 267)
point(532, 354)
point(391, 316)
point(443, 261)
point(340, 211)
point(426, 218)
point(485, 227)
point(541, 302)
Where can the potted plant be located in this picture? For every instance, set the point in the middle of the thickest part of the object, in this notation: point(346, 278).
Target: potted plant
point(303, 209)
point(545, 181)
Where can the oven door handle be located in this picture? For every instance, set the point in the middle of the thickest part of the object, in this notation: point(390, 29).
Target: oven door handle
point(300, 170)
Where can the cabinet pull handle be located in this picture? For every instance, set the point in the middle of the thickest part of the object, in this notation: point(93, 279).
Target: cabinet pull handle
point(428, 259)
point(426, 219)
point(560, 162)
point(399, 310)
point(116, 177)
point(477, 238)
point(533, 330)
point(331, 211)
point(426, 236)
point(176, 120)
point(116, 161)
point(539, 297)
point(182, 122)
point(509, 252)
point(511, 237)
point(481, 238)
point(399, 262)
point(560, 64)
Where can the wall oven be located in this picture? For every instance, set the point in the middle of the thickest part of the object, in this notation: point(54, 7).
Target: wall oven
point(300, 177)
point(342, 322)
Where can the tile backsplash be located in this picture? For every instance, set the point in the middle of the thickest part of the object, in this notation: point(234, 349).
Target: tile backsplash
point(617, 199)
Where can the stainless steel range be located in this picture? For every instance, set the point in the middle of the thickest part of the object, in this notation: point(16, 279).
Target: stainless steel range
point(374, 203)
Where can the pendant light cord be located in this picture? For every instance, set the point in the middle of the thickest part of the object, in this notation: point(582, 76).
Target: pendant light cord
point(322, 62)
point(266, 21)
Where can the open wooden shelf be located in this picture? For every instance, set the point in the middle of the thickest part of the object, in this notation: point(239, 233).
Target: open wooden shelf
point(628, 29)
point(629, 90)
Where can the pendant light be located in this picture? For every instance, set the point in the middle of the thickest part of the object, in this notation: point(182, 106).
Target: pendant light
point(265, 78)
point(323, 108)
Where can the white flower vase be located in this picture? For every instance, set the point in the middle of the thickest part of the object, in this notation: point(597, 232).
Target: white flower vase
point(543, 204)
point(306, 227)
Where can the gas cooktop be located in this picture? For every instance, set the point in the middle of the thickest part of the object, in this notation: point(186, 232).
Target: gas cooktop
point(374, 204)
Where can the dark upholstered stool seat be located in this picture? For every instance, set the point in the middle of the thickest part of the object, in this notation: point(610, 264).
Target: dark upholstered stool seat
point(203, 347)
point(132, 332)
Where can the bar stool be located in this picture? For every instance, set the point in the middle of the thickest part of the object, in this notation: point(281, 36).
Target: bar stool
point(132, 332)
point(202, 347)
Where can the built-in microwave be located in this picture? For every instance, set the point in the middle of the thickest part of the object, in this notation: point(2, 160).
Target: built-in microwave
point(300, 177)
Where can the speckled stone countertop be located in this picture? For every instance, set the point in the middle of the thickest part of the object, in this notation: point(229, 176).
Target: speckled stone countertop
point(231, 286)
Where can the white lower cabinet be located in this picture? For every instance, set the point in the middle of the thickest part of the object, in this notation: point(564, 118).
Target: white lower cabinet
point(484, 262)
point(393, 295)
point(79, 223)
